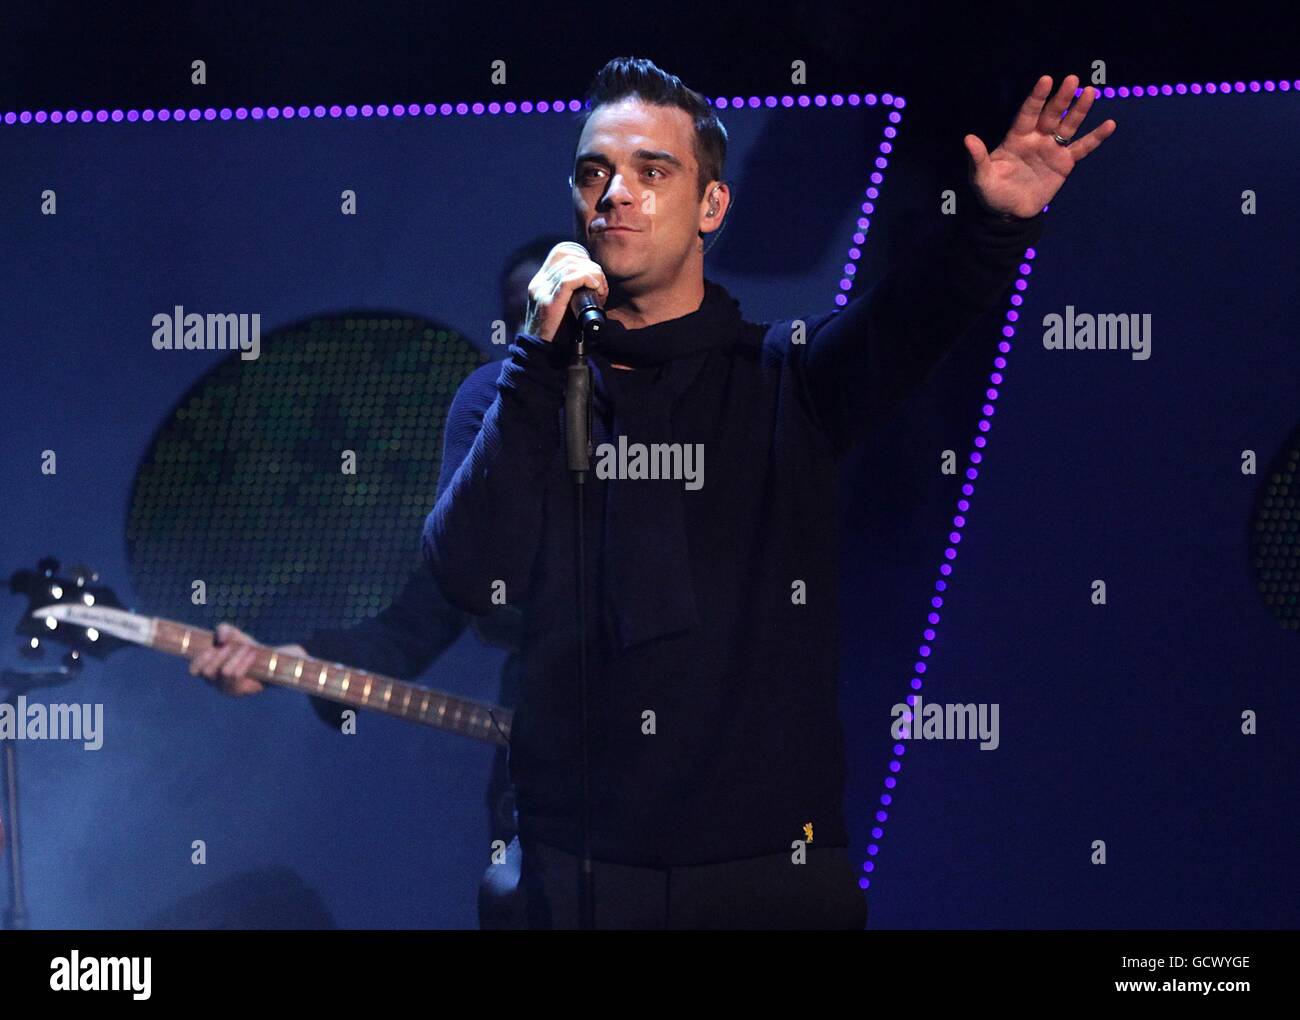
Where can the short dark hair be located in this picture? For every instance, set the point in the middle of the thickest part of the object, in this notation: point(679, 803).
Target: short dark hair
point(639, 77)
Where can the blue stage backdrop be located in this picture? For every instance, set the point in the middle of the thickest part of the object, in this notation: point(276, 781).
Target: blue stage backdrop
point(246, 216)
point(1119, 722)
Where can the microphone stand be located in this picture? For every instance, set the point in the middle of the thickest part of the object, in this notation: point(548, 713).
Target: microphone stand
point(19, 683)
point(577, 437)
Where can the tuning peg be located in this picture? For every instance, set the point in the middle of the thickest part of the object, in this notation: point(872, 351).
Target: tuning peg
point(48, 566)
point(73, 660)
point(21, 582)
point(82, 573)
point(32, 649)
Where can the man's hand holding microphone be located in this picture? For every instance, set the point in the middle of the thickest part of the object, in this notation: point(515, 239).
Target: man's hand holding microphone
point(568, 281)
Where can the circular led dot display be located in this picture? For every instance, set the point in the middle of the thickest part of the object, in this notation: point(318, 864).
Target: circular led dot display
point(1275, 536)
point(295, 485)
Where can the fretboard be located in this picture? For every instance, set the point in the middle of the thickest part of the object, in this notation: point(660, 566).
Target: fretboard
point(354, 687)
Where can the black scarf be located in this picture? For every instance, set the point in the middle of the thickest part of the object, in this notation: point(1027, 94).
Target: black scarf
point(647, 557)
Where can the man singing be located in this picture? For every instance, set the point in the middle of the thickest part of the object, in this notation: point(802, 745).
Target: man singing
point(712, 614)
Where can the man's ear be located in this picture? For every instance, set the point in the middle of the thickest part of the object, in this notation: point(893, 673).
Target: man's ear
point(717, 200)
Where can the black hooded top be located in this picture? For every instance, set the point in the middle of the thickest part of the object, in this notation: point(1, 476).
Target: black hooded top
point(713, 611)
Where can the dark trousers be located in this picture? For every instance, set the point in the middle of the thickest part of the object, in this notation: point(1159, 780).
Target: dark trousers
point(538, 887)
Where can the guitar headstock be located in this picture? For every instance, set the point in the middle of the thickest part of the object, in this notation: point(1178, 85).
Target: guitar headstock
point(49, 585)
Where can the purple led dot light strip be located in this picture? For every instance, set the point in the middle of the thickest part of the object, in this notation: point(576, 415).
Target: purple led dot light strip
point(351, 111)
point(555, 106)
point(987, 411)
point(950, 554)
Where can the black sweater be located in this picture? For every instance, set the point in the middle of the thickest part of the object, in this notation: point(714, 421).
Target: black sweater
point(747, 744)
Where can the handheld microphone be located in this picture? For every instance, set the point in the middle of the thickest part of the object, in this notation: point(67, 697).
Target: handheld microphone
point(583, 304)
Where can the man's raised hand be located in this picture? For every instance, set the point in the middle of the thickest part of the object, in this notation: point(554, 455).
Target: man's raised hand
point(1022, 174)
